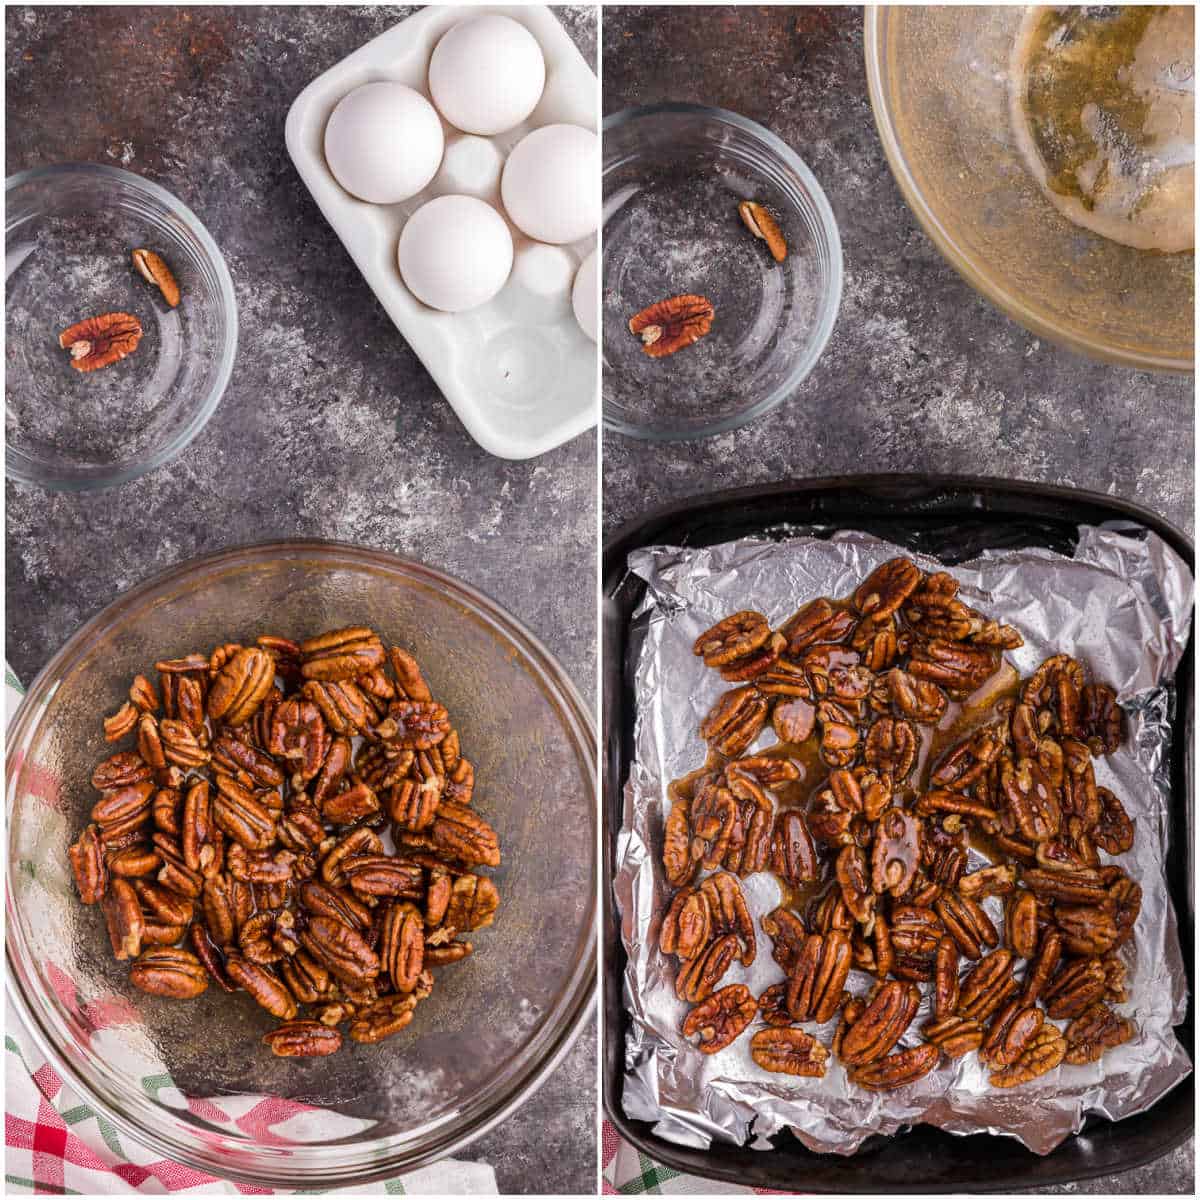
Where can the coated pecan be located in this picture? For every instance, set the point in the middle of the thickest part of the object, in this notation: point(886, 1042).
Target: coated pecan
point(735, 721)
point(341, 654)
point(402, 946)
point(1069, 887)
point(1011, 1033)
point(788, 936)
point(1022, 924)
point(988, 987)
point(463, 836)
point(996, 880)
point(1086, 930)
point(169, 971)
point(721, 1018)
point(387, 1016)
point(299, 734)
point(793, 855)
point(854, 879)
point(96, 342)
point(945, 979)
point(121, 723)
point(338, 947)
point(687, 927)
point(882, 1024)
point(967, 923)
point(210, 956)
point(266, 989)
point(242, 816)
point(306, 979)
point(473, 903)
point(672, 324)
point(755, 664)
point(413, 725)
point(1114, 832)
point(1043, 1053)
point(334, 902)
point(357, 842)
point(1095, 1030)
point(891, 746)
point(887, 588)
point(699, 977)
point(1100, 718)
point(817, 980)
point(123, 915)
point(135, 861)
point(1078, 985)
point(678, 862)
point(920, 700)
point(896, 853)
point(87, 863)
point(789, 1052)
point(954, 1036)
point(897, 1070)
point(1042, 968)
point(915, 936)
point(958, 668)
point(303, 1039)
point(772, 1005)
point(241, 686)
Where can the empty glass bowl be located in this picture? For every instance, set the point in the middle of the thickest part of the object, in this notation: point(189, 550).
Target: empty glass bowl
point(173, 1075)
point(674, 175)
point(69, 233)
point(939, 82)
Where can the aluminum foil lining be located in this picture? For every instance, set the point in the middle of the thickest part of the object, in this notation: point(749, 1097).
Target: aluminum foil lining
point(1122, 607)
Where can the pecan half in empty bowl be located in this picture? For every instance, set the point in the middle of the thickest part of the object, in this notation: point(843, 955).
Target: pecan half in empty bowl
point(120, 1001)
point(116, 360)
point(722, 271)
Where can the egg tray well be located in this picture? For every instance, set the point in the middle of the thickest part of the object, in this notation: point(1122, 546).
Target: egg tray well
point(518, 371)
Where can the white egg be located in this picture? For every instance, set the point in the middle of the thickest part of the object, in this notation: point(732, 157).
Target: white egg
point(584, 299)
point(383, 142)
point(551, 184)
point(455, 253)
point(487, 74)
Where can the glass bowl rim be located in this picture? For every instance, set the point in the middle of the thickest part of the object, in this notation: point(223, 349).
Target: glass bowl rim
point(367, 1161)
point(1008, 301)
point(228, 300)
point(831, 300)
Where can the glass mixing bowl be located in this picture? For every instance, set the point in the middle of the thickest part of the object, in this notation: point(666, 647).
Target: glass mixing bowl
point(674, 175)
point(496, 1024)
point(939, 83)
point(69, 232)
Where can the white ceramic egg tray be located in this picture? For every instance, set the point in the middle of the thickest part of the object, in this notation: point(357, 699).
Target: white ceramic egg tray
point(518, 371)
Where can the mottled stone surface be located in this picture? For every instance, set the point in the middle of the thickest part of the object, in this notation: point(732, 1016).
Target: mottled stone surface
point(330, 426)
point(921, 374)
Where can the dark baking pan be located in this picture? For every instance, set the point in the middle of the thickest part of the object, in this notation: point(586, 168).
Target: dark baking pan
point(952, 518)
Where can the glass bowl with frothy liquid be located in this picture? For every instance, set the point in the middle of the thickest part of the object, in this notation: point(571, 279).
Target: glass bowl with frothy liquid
point(1049, 154)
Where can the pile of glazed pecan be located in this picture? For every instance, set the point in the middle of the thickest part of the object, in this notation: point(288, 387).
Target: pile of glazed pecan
point(873, 849)
point(238, 843)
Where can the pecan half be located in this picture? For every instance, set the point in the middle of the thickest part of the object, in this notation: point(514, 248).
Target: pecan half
point(721, 1018)
point(266, 989)
point(87, 863)
point(897, 1070)
point(988, 987)
point(387, 1016)
point(1011, 1033)
point(789, 1052)
point(169, 971)
point(1043, 1053)
point(96, 342)
point(241, 686)
point(817, 980)
point(954, 1036)
point(672, 324)
point(887, 588)
point(698, 978)
point(151, 266)
point(882, 1024)
point(764, 226)
point(1095, 1030)
point(123, 915)
point(341, 654)
point(303, 1039)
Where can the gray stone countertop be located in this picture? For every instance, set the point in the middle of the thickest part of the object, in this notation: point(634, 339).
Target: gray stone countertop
point(921, 374)
point(330, 426)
